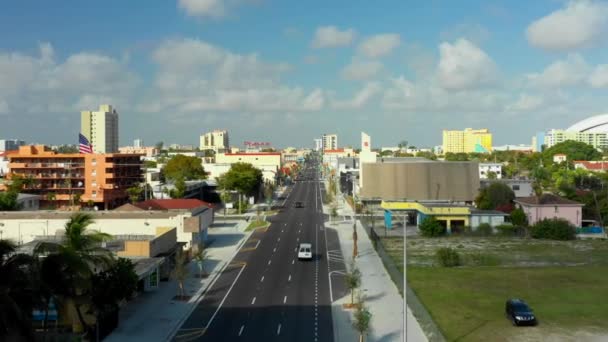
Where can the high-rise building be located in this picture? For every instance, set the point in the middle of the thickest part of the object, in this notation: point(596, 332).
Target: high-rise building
point(467, 141)
point(101, 128)
point(10, 144)
point(138, 143)
point(318, 144)
point(329, 141)
point(217, 141)
point(595, 139)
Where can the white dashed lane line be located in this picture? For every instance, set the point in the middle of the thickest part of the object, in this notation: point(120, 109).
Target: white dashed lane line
point(253, 301)
point(279, 329)
point(262, 279)
point(241, 331)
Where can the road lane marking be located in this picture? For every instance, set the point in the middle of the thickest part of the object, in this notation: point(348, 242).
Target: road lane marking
point(279, 329)
point(241, 331)
point(274, 250)
point(225, 296)
point(289, 278)
point(257, 244)
point(284, 299)
point(269, 261)
point(279, 239)
point(293, 261)
point(262, 280)
point(253, 301)
point(295, 249)
point(298, 240)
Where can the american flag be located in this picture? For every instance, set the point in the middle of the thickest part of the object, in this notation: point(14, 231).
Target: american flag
point(83, 144)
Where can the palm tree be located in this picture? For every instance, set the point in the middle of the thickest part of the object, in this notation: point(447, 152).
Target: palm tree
point(16, 298)
point(80, 253)
point(201, 256)
point(50, 283)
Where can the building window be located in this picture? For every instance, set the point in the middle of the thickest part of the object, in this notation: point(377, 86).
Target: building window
point(515, 187)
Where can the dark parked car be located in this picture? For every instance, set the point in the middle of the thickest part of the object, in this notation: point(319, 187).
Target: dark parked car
point(519, 312)
point(299, 205)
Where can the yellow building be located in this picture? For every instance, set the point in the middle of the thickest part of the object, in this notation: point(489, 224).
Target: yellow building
point(467, 141)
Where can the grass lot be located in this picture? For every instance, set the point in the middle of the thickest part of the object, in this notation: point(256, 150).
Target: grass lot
point(257, 224)
point(564, 282)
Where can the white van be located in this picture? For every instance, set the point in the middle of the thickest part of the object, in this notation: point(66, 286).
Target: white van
point(305, 251)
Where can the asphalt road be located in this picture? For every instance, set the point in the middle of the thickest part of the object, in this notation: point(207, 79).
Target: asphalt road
point(266, 293)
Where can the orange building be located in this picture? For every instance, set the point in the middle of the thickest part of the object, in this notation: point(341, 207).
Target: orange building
point(66, 179)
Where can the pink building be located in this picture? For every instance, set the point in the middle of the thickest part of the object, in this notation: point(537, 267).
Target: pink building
point(551, 206)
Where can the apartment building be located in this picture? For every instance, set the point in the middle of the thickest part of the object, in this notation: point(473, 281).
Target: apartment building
point(10, 144)
point(65, 180)
point(217, 140)
point(595, 139)
point(467, 141)
point(101, 128)
point(329, 142)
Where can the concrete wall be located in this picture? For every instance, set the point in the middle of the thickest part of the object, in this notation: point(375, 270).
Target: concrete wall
point(455, 181)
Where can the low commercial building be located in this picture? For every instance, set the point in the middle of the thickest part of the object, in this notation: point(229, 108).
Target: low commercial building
point(455, 217)
point(192, 220)
point(268, 162)
point(549, 206)
point(68, 179)
point(419, 179)
point(596, 165)
point(148, 151)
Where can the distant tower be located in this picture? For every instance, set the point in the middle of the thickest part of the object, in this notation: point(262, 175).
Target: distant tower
point(101, 128)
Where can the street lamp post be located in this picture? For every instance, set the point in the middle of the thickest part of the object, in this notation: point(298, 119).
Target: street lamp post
point(404, 277)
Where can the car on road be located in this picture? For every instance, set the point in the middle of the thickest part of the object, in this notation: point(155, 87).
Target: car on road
point(305, 251)
point(519, 313)
point(298, 205)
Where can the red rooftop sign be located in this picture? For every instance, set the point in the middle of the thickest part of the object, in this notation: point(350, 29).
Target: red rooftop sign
point(256, 144)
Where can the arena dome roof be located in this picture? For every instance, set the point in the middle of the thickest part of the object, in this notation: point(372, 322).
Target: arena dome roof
point(594, 124)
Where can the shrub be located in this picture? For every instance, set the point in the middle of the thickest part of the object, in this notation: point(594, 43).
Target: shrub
point(482, 259)
point(430, 227)
point(447, 257)
point(518, 217)
point(506, 229)
point(484, 229)
point(553, 229)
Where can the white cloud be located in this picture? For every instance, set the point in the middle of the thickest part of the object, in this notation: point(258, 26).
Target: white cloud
point(361, 70)
point(599, 76)
point(195, 76)
point(331, 36)
point(463, 65)
point(203, 8)
point(40, 84)
point(526, 102)
point(361, 98)
point(473, 32)
point(563, 73)
point(579, 24)
point(379, 45)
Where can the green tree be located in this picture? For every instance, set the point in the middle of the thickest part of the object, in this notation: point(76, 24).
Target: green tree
point(188, 168)
point(518, 217)
point(180, 189)
point(362, 319)
point(8, 201)
point(16, 298)
point(353, 281)
point(134, 193)
point(159, 145)
point(426, 154)
point(494, 195)
point(244, 178)
point(150, 164)
point(117, 283)
point(430, 227)
point(456, 156)
point(574, 150)
point(67, 149)
point(81, 253)
point(553, 229)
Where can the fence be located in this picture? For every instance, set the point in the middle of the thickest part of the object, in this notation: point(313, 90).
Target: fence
point(424, 318)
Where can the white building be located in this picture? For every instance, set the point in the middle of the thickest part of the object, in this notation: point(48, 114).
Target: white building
point(521, 147)
point(217, 140)
point(318, 144)
point(3, 164)
point(101, 128)
point(138, 143)
point(365, 156)
point(329, 142)
point(191, 224)
point(486, 168)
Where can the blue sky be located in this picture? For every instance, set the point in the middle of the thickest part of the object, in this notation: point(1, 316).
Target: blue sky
point(287, 71)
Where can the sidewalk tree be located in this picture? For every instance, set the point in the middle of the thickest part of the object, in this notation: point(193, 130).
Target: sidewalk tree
point(201, 256)
point(180, 189)
point(353, 281)
point(180, 273)
point(355, 241)
point(244, 178)
point(362, 319)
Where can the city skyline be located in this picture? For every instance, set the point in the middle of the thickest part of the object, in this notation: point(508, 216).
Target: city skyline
point(175, 70)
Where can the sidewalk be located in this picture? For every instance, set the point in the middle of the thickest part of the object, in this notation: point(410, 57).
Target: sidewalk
point(155, 316)
point(382, 296)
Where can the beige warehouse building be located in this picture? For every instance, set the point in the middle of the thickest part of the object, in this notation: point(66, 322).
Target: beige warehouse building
point(420, 180)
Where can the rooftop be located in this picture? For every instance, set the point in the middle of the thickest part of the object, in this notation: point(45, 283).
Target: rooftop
point(546, 199)
point(172, 204)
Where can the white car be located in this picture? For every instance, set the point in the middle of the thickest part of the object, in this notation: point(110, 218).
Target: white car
point(305, 251)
